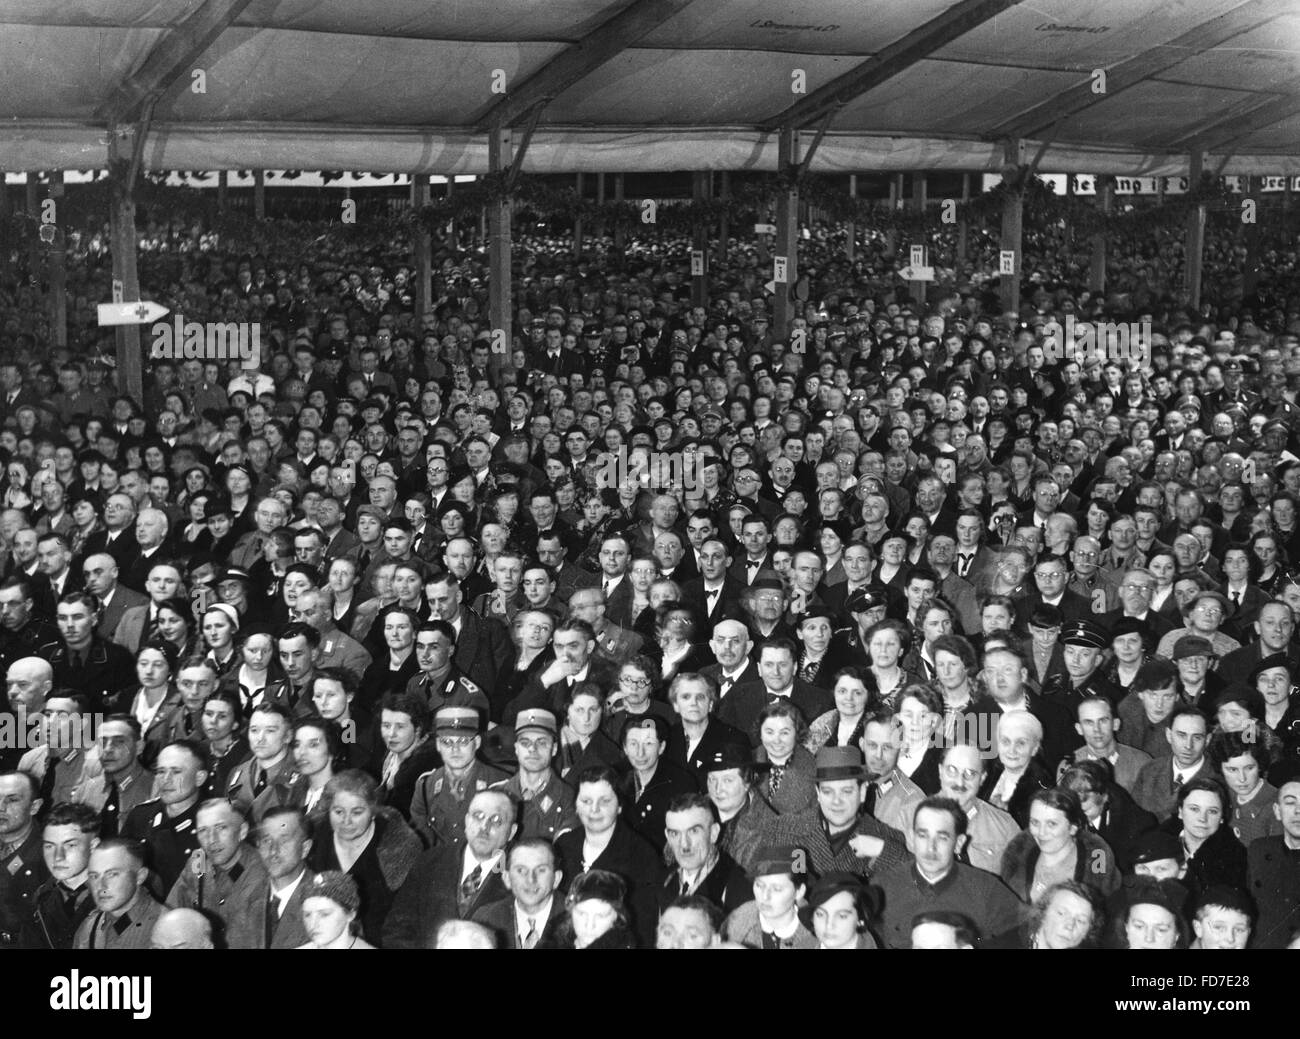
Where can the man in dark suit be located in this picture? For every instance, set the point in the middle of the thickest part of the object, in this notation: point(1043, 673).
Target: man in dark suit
point(56, 576)
point(1272, 878)
point(118, 538)
point(734, 667)
point(454, 881)
point(1051, 577)
point(575, 645)
point(715, 594)
point(755, 535)
point(13, 393)
point(699, 867)
point(482, 645)
point(532, 876)
point(1157, 785)
point(776, 665)
point(101, 572)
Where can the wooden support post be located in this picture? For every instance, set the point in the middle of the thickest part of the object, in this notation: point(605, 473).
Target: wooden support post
point(700, 281)
point(451, 224)
point(500, 149)
point(58, 280)
point(1097, 267)
point(1195, 234)
point(1012, 227)
point(130, 362)
point(423, 247)
point(600, 200)
point(31, 200)
point(1252, 188)
point(963, 225)
point(577, 222)
point(619, 230)
point(223, 192)
point(259, 194)
point(851, 231)
point(724, 226)
point(918, 203)
point(787, 231)
point(895, 196)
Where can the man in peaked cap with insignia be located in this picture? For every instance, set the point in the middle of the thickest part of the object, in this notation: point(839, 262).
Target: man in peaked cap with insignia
point(547, 801)
point(1084, 643)
point(441, 796)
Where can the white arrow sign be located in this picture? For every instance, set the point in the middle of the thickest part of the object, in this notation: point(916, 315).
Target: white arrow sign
point(917, 274)
point(140, 312)
point(770, 286)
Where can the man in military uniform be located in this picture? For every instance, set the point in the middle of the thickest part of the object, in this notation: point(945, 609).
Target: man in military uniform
point(103, 672)
point(269, 763)
point(1083, 644)
point(613, 643)
point(22, 869)
point(21, 634)
point(442, 796)
point(225, 878)
point(122, 782)
point(125, 912)
point(547, 800)
point(166, 825)
point(440, 682)
point(63, 900)
point(337, 648)
point(298, 648)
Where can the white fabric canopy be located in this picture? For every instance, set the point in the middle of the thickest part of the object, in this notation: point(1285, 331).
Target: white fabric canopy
point(401, 85)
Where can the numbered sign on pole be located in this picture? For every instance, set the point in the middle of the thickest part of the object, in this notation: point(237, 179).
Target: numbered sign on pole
point(1007, 261)
point(918, 256)
point(697, 262)
point(779, 270)
point(117, 291)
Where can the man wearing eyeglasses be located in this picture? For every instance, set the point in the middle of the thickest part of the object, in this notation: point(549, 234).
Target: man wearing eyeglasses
point(455, 881)
point(1050, 578)
point(438, 806)
point(1100, 589)
point(1135, 592)
point(989, 830)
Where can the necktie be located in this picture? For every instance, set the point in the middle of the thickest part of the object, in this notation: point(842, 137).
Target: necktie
point(873, 792)
point(965, 558)
point(469, 888)
point(1178, 781)
point(260, 784)
point(607, 585)
point(69, 900)
point(1236, 598)
point(48, 780)
point(774, 781)
point(272, 918)
point(108, 816)
point(727, 683)
point(530, 939)
point(685, 887)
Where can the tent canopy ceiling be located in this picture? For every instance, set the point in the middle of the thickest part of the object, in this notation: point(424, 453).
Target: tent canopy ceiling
point(407, 85)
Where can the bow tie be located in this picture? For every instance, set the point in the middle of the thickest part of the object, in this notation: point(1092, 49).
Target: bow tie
point(753, 564)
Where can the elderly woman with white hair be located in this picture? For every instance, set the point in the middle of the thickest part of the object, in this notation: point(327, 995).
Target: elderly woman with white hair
point(1018, 773)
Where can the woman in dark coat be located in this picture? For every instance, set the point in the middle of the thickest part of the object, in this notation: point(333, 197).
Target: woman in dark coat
point(367, 841)
point(596, 916)
point(617, 849)
point(1202, 820)
point(1058, 845)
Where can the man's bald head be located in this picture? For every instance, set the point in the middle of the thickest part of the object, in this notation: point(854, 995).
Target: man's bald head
point(28, 682)
point(182, 929)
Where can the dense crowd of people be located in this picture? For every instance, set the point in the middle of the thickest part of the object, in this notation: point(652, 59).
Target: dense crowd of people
point(659, 625)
